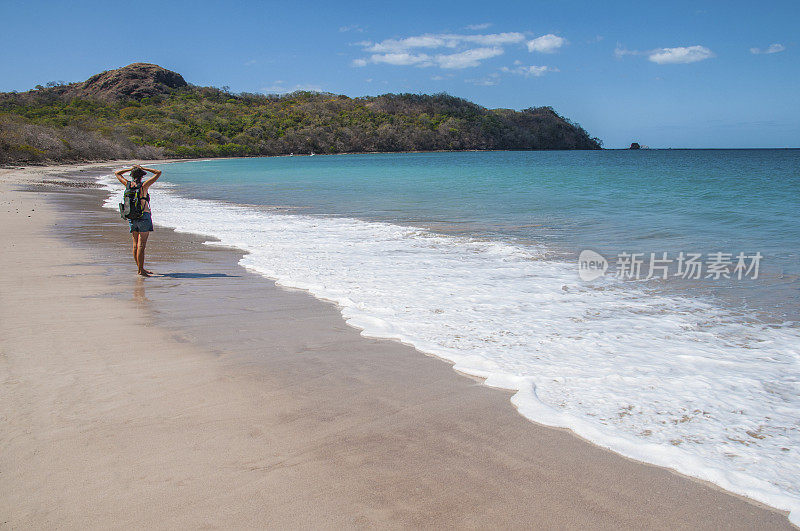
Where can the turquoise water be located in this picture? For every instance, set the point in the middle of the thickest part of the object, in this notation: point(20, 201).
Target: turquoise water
point(656, 201)
point(473, 257)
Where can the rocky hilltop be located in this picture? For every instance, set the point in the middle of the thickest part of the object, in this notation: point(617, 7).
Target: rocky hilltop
point(138, 80)
point(144, 110)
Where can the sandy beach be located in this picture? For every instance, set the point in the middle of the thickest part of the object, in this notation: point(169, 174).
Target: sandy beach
point(210, 397)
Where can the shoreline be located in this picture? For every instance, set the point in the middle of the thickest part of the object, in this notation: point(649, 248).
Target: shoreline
point(55, 163)
point(535, 452)
point(94, 163)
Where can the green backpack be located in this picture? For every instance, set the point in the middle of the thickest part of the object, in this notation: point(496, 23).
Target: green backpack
point(131, 206)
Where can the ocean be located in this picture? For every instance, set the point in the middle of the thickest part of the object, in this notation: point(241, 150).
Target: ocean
point(648, 300)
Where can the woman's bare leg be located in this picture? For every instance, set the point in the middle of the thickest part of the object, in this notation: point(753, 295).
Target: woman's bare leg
point(135, 235)
point(140, 253)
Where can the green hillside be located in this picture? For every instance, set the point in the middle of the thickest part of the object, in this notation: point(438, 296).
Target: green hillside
point(145, 111)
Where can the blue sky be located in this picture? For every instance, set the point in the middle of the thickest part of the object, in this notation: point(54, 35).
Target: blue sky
point(665, 74)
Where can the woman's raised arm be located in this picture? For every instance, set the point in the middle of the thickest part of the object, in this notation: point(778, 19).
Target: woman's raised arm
point(151, 180)
point(120, 178)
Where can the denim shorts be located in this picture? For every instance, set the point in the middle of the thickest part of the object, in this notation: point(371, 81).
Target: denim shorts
point(143, 224)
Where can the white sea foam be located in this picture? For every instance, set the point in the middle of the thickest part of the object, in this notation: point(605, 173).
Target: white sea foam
point(668, 380)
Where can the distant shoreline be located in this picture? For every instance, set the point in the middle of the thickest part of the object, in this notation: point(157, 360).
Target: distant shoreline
point(43, 164)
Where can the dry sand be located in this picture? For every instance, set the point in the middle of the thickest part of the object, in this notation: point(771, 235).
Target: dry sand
point(209, 397)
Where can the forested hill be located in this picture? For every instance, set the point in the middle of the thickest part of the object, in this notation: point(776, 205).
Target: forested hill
point(145, 111)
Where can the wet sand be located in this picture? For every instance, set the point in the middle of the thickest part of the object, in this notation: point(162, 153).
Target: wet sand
point(209, 397)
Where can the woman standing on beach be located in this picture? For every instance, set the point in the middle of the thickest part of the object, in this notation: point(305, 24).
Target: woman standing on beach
point(142, 227)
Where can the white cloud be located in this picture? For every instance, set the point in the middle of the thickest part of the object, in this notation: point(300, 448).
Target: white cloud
point(546, 43)
point(467, 58)
point(528, 71)
point(495, 39)
point(680, 55)
point(352, 27)
point(479, 26)
point(773, 48)
point(483, 81)
point(251, 62)
point(401, 45)
point(620, 51)
point(441, 40)
point(401, 59)
point(414, 51)
point(663, 56)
